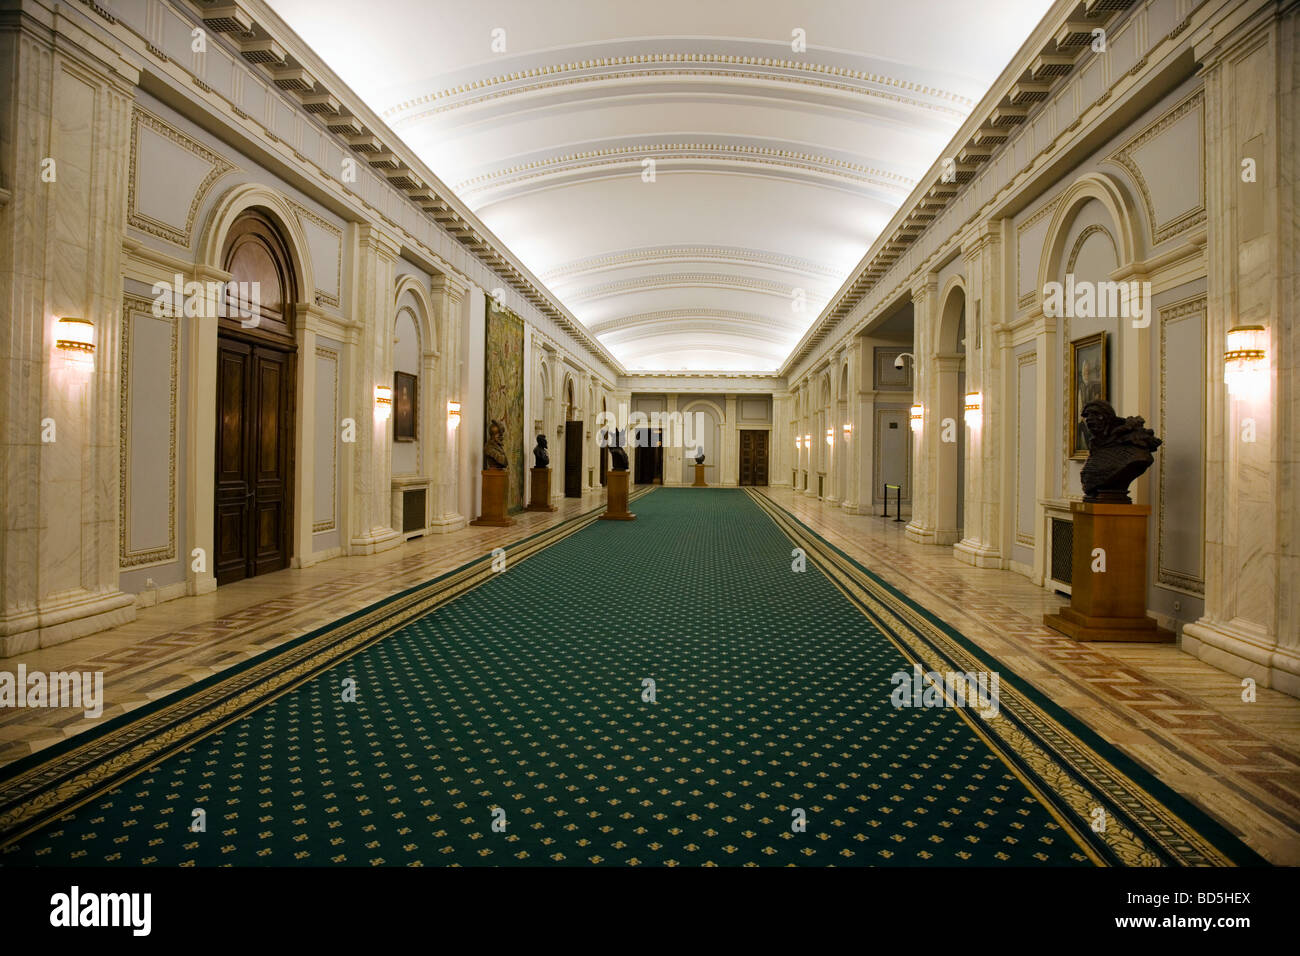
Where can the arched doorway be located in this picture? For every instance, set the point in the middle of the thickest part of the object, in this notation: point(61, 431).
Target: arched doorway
point(256, 371)
point(951, 373)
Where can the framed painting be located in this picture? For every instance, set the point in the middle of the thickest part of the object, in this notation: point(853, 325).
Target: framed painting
point(1088, 381)
point(404, 406)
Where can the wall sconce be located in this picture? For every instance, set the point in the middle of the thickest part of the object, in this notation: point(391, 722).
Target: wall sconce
point(974, 413)
point(1245, 361)
point(807, 441)
point(453, 414)
point(917, 417)
point(830, 436)
point(848, 429)
point(77, 338)
point(384, 400)
point(798, 442)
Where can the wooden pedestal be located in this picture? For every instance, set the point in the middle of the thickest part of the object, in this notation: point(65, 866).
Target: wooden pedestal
point(540, 500)
point(494, 499)
point(616, 504)
point(1109, 605)
point(699, 477)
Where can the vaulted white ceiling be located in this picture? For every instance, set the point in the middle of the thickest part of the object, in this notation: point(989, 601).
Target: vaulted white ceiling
point(692, 188)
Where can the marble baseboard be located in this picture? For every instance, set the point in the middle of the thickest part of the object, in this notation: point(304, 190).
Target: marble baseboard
point(375, 542)
point(316, 557)
point(161, 595)
point(67, 618)
point(976, 553)
point(1245, 652)
point(447, 524)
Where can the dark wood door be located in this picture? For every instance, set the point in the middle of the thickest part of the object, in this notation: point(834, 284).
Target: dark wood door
point(573, 459)
point(649, 463)
point(254, 460)
point(753, 457)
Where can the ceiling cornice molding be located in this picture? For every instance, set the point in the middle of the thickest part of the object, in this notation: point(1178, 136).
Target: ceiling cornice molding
point(697, 382)
point(862, 177)
point(721, 320)
point(717, 66)
point(675, 280)
point(631, 258)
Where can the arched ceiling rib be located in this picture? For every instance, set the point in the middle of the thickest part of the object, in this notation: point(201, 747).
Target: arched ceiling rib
point(689, 186)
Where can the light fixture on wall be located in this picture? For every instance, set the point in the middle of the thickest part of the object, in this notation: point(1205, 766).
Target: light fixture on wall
point(807, 441)
point(384, 400)
point(848, 429)
point(1245, 361)
point(917, 417)
point(453, 414)
point(974, 409)
point(798, 442)
point(830, 436)
point(76, 337)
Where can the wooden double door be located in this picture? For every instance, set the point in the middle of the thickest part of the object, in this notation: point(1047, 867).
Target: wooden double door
point(254, 460)
point(753, 457)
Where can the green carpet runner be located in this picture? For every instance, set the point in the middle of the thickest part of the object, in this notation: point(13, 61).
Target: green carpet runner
point(518, 725)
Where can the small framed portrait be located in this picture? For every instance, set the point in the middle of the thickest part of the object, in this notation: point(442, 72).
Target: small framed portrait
point(404, 406)
point(1088, 381)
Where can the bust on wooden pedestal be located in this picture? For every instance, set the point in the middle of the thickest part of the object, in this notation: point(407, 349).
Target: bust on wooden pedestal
point(540, 497)
point(1109, 581)
point(699, 469)
point(495, 477)
point(616, 484)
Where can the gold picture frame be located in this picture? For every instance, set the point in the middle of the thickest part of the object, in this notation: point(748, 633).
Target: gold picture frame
point(405, 406)
point(1089, 380)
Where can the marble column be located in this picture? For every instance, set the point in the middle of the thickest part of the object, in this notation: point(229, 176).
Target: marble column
point(448, 295)
point(925, 378)
point(306, 324)
point(834, 449)
point(1251, 621)
point(673, 438)
point(782, 442)
point(370, 527)
point(982, 252)
point(66, 116)
point(851, 493)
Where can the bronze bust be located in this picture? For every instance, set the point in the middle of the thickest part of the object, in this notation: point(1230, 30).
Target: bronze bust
point(617, 455)
point(1119, 451)
point(541, 457)
point(699, 455)
point(494, 449)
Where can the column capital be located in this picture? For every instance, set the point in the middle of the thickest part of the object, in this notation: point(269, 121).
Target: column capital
point(379, 240)
point(451, 287)
point(986, 232)
point(927, 286)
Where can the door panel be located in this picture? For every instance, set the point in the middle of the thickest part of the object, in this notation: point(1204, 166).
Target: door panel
point(573, 459)
point(233, 490)
point(272, 462)
point(253, 460)
point(753, 457)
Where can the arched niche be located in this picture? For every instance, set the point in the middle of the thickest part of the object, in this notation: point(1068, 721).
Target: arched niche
point(702, 424)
